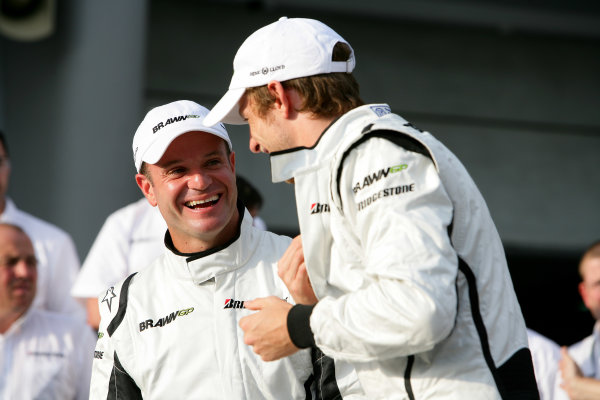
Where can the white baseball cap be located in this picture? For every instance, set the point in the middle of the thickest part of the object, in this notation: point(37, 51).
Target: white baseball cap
point(286, 49)
point(164, 124)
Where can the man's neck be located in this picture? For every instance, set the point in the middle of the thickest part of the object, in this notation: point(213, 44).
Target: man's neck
point(186, 244)
point(309, 129)
point(7, 319)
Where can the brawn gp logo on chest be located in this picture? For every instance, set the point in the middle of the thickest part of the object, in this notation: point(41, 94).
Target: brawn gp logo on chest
point(149, 323)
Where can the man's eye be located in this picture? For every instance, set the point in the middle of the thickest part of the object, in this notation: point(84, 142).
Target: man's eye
point(176, 171)
point(9, 261)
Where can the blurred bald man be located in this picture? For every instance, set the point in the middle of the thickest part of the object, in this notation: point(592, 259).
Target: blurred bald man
point(44, 354)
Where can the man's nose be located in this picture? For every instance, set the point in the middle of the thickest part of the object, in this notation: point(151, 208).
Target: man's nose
point(254, 146)
point(22, 269)
point(199, 181)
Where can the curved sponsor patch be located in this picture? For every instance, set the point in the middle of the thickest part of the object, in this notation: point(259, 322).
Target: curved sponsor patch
point(376, 176)
point(387, 192)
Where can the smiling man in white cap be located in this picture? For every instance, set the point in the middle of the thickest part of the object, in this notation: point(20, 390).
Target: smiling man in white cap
point(399, 269)
point(171, 330)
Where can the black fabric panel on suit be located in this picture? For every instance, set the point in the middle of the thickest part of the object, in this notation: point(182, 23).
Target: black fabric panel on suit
point(114, 324)
point(325, 384)
point(121, 385)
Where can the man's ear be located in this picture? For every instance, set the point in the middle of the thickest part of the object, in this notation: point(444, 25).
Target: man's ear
point(232, 161)
point(283, 101)
point(584, 295)
point(146, 187)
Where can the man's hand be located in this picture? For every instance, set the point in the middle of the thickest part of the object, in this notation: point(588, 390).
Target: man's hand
point(266, 330)
point(574, 383)
point(568, 367)
point(292, 271)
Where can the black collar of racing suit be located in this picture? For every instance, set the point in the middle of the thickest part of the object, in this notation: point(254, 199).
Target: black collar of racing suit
point(303, 147)
point(194, 256)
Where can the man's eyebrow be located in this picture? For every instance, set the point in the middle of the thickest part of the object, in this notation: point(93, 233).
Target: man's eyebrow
point(178, 161)
point(213, 153)
point(169, 163)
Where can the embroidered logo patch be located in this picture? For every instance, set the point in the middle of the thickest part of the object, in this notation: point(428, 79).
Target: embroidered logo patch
point(110, 294)
point(232, 303)
point(380, 111)
point(150, 323)
point(317, 208)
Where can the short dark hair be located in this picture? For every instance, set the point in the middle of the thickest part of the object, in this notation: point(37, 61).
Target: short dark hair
point(248, 194)
point(592, 251)
point(4, 144)
point(144, 170)
point(324, 95)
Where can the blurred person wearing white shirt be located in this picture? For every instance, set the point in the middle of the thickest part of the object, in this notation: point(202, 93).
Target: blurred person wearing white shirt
point(43, 354)
point(580, 363)
point(130, 239)
point(546, 355)
point(58, 262)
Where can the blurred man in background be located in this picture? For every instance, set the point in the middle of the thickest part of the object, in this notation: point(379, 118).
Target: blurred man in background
point(43, 354)
point(57, 259)
point(580, 364)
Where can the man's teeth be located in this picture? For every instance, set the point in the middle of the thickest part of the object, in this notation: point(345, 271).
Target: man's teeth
point(201, 203)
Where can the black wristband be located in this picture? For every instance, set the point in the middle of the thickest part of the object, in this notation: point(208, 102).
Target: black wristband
point(298, 324)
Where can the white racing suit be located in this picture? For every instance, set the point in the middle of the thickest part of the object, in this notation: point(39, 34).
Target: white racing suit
point(171, 330)
point(407, 264)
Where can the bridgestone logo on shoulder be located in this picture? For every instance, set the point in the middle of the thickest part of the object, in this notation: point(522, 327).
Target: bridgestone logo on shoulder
point(376, 176)
point(171, 121)
point(392, 191)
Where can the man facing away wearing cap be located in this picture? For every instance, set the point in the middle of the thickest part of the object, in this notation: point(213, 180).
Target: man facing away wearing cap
point(397, 242)
point(170, 331)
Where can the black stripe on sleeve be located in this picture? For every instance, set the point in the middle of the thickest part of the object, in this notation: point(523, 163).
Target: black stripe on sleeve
point(116, 321)
point(515, 379)
point(518, 378)
point(478, 319)
point(407, 383)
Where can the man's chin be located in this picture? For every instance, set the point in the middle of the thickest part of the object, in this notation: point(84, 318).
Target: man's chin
point(21, 305)
point(206, 229)
point(596, 315)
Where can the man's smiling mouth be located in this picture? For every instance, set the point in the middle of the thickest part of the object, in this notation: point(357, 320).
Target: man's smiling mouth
point(195, 204)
